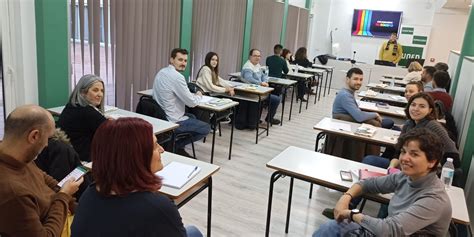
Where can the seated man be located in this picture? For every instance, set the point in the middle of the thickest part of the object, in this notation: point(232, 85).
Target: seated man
point(30, 202)
point(172, 94)
point(440, 82)
point(252, 73)
point(427, 78)
point(277, 66)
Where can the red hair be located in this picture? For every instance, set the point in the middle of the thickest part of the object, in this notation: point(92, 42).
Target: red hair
point(122, 151)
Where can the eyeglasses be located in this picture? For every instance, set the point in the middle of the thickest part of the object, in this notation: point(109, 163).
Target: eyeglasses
point(258, 56)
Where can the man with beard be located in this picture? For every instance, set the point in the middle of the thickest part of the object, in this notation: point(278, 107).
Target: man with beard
point(31, 203)
point(345, 102)
point(427, 78)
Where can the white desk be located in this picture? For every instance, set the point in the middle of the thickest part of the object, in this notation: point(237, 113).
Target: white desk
point(285, 83)
point(317, 72)
point(384, 87)
point(298, 76)
point(323, 169)
point(396, 77)
point(394, 99)
point(329, 70)
point(159, 126)
point(395, 113)
point(396, 82)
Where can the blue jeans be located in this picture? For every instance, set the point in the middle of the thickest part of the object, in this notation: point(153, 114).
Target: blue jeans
point(192, 231)
point(376, 161)
point(333, 228)
point(274, 102)
point(197, 128)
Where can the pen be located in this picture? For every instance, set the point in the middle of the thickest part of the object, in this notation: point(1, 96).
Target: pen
point(192, 172)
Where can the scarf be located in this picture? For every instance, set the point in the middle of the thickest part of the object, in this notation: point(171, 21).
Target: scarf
point(395, 47)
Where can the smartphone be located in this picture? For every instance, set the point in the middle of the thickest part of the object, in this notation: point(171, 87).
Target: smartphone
point(77, 173)
point(346, 175)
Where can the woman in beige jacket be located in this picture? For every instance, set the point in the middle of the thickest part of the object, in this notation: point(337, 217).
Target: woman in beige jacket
point(208, 76)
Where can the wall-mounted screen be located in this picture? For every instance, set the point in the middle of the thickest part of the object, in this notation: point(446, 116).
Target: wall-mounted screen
point(371, 23)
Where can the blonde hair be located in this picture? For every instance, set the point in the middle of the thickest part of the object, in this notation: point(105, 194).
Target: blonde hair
point(415, 66)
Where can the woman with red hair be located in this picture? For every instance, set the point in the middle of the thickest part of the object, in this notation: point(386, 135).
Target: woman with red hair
point(124, 200)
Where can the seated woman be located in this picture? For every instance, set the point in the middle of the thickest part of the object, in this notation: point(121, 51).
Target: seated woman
point(301, 59)
point(414, 72)
point(124, 200)
point(83, 114)
point(286, 54)
point(419, 204)
point(208, 76)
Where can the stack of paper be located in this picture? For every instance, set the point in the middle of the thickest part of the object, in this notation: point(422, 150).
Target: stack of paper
point(177, 174)
point(366, 130)
point(371, 93)
point(219, 102)
point(381, 85)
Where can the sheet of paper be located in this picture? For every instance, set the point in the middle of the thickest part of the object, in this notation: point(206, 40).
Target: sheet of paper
point(206, 99)
point(367, 105)
point(341, 126)
point(177, 174)
point(116, 116)
point(400, 112)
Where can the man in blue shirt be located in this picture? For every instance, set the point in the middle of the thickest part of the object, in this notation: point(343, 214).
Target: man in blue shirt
point(171, 92)
point(345, 102)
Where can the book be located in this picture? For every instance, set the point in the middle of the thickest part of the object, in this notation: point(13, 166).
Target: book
point(366, 130)
point(177, 174)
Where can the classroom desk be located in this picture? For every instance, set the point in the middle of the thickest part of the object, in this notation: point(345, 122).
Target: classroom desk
point(393, 99)
point(213, 109)
point(401, 83)
point(329, 69)
point(394, 112)
point(396, 77)
point(315, 71)
point(386, 88)
point(323, 169)
point(298, 76)
point(285, 84)
point(244, 91)
point(382, 137)
point(159, 126)
point(195, 186)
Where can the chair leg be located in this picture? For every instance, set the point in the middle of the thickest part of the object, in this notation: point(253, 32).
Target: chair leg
point(220, 133)
point(194, 152)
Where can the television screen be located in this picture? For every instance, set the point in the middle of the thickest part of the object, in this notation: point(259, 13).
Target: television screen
point(372, 23)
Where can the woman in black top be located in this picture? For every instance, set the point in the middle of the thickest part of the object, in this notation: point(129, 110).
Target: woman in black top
point(124, 200)
point(301, 59)
point(83, 114)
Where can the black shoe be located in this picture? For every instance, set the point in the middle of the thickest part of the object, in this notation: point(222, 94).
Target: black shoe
point(329, 213)
point(183, 152)
point(303, 99)
point(276, 121)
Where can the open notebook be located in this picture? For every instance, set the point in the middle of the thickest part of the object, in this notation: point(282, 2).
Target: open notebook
point(177, 174)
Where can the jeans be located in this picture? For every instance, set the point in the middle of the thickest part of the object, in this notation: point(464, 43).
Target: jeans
point(197, 128)
point(301, 85)
point(387, 123)
point(192, 231)
point(274, 103)
point(247, 115)
point(333, 228)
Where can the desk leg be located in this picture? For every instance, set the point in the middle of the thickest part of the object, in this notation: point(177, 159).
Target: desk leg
point(275, 176)
point(290, 195)
point(330, 81)
point(173, 141)
point(309, 91)
point(258, 118)
point(283, 106)
point(291, 102)
point(269, 119)
point(320, 85)
point(209, 207)
point(232, 131)
point(213, 137)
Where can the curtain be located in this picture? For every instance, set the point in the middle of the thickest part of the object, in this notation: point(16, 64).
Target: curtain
point(292, 29)
point(303, 23)
point(266, 26)
point(211, 32)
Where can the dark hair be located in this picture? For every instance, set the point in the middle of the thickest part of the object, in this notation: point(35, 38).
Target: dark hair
point(214, 71)
point(354, 70)
point(441, 79)
point(122, 151)
point(441, 66)
point(430, 101)
point(300, 54)
point(430, 70)
point(428, 142)
point(417, 84)
point(175, 51)
point(277, 48)
point(285, 52)
point(20, 122)
point(252, 50)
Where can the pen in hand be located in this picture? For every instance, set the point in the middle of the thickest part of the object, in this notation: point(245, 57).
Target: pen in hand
point(192, 172)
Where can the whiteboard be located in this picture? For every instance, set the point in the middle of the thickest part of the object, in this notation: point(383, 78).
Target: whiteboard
point(453, 59)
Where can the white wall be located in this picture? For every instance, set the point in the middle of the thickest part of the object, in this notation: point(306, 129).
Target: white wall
point(298, 3)
point(336, 16)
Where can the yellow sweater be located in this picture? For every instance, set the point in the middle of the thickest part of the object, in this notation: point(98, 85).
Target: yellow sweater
point(387, 55)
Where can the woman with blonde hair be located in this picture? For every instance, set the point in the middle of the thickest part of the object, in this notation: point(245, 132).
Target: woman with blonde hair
point(414, 72)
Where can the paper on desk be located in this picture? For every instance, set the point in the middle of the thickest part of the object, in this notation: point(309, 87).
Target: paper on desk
point(367, 105)
point(341, 126)
point(108, 108)
point(206, 99)
point(401, 112)
point(116, 116)
point(397, 97)
point(177, 174)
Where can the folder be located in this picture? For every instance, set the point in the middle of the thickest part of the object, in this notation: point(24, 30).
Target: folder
point(176, 174)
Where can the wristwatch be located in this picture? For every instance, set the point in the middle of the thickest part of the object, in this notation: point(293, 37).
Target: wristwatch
point(353, 212)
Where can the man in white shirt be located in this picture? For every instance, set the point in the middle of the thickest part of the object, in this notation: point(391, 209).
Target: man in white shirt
point(171, 92)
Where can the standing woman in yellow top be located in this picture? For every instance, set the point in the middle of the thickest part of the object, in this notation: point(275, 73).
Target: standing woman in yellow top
point(391, 50)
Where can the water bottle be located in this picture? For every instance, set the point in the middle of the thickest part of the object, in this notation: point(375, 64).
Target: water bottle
point(392, 82)
point(296, 68)
point(447, 173)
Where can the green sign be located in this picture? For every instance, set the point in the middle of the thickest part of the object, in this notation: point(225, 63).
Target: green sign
point(410, 52)
point(408, 30)
point(421, 40)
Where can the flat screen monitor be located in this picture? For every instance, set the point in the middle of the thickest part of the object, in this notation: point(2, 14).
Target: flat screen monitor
point(372, 23)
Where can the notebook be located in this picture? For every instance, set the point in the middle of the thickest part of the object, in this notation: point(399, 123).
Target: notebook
point(365, 174)
point(176, 174)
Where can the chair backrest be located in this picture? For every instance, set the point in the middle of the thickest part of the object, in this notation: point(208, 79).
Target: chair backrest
point(148, 106)
point(450, 125)
point(193, 87)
